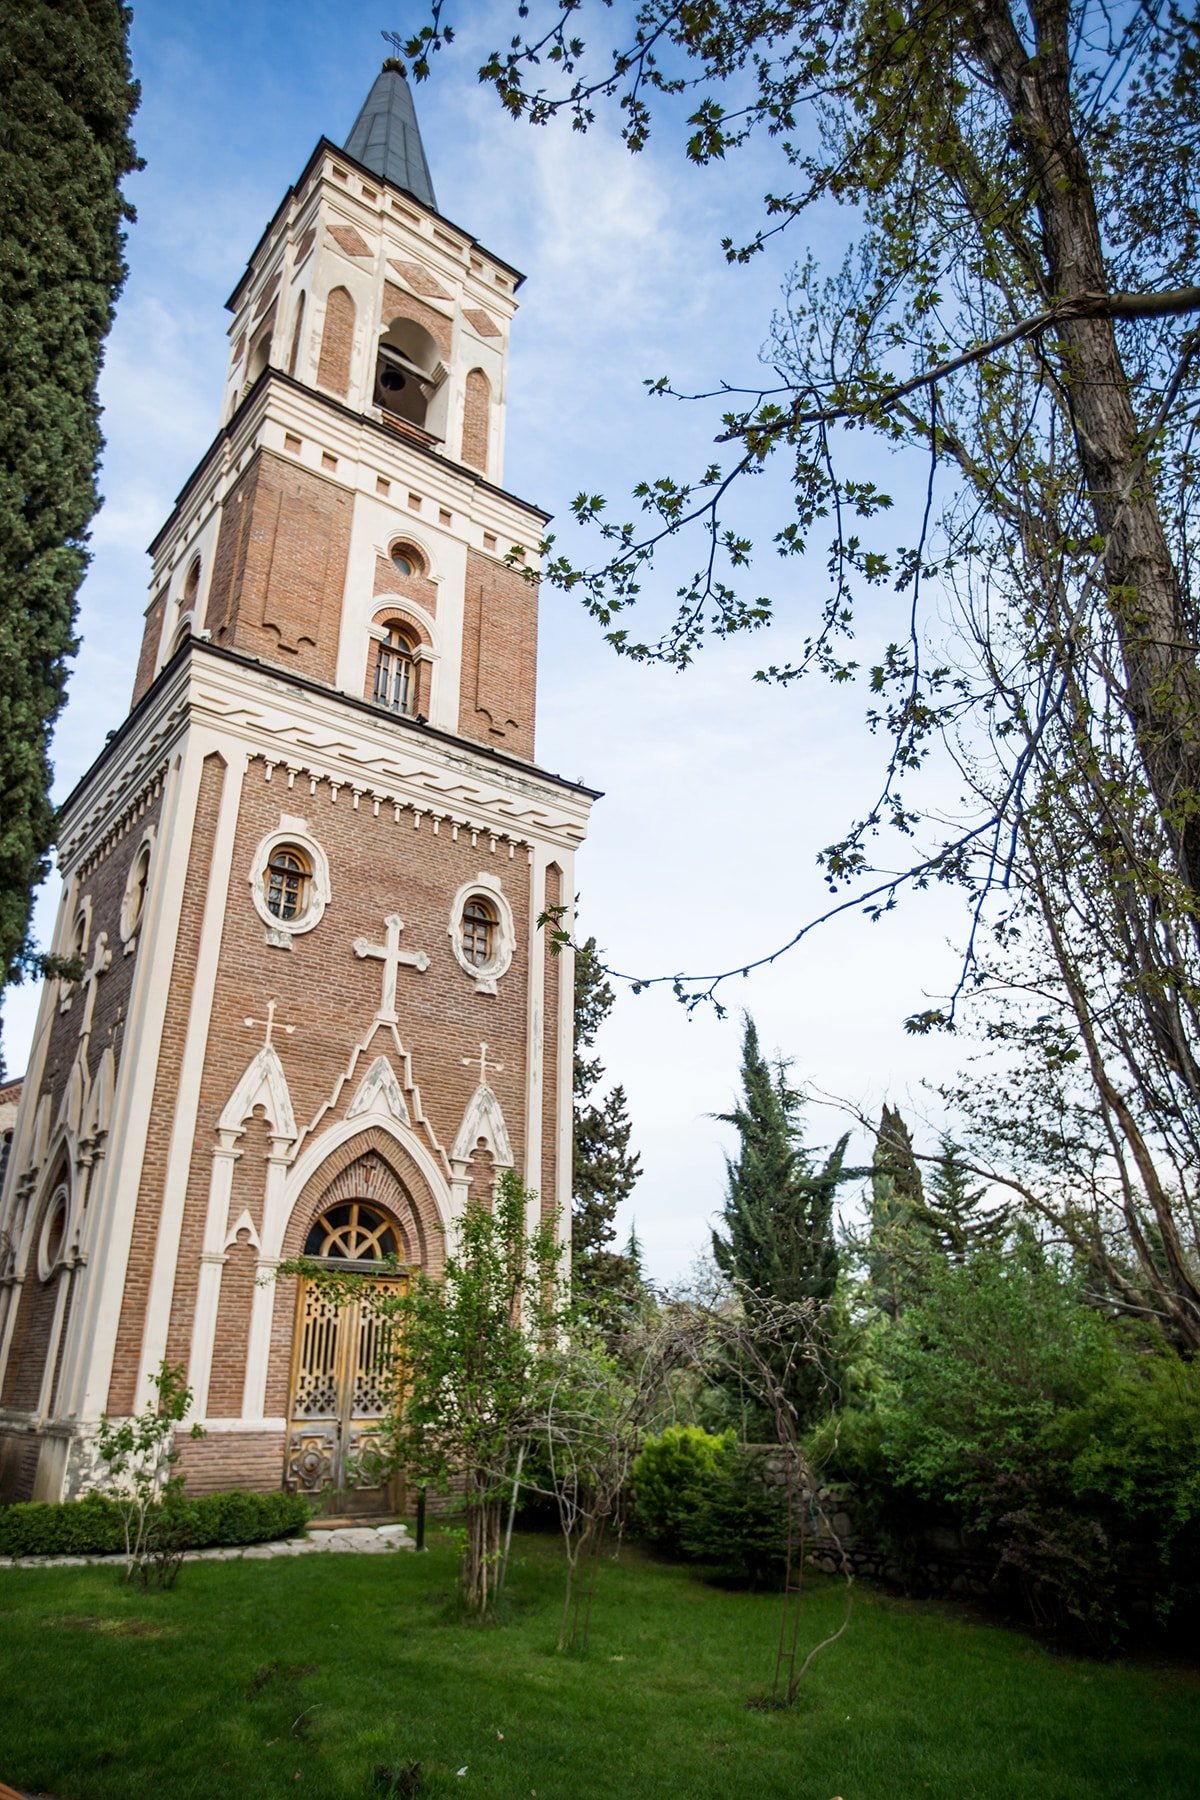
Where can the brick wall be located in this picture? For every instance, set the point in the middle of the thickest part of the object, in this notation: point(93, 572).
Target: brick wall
point(399, 305)
point(377, 865)
point(476, 419)
point(148, 659)
point(337, 344)
point(231, 1459)
point(280, 567)
point(166, 1085)
point(499, 655)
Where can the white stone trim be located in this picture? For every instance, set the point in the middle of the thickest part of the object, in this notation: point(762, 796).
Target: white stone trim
point(129, 927)
point(535, 1035)
point(187, 1100)
point(59, 1201)
point(485, 975)
point(95, 1317)
point(484, 1118)
point(565, 1111)
point(280, 932)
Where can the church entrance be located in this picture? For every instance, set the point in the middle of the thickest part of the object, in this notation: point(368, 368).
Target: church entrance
point(343, 1366)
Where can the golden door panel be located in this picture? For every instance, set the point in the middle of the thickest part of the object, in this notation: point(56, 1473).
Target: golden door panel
point(341, 1384)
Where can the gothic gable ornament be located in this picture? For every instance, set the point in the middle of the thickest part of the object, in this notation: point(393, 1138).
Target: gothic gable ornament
point(379, 1092)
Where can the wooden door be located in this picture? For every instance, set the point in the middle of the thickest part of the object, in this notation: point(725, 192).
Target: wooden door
point(342, 1368)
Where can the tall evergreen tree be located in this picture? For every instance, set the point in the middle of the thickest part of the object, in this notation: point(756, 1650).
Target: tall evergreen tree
point(912, 1223)
point(779, 1242)
point(954, 1211)
point(895, 1246)
point(604, 1169)
point(64, 149)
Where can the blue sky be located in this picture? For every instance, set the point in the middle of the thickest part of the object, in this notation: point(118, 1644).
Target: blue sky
point(719, 791)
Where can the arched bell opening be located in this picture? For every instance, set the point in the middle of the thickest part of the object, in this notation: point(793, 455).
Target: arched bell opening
point(410, 378)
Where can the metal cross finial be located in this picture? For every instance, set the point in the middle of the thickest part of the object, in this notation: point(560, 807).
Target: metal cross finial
point(391, 956)
point(468, 1062)
point(270, 1024)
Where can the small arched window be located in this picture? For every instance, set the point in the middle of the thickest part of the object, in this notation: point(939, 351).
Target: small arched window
point(405, 559)
point(288, 880)
point(478, 931)
point(191, 587)
point(134, 903)
point(395, 671)
point(352, 1232)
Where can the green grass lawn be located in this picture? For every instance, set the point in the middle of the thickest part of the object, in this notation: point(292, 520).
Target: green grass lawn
point(302, 1676)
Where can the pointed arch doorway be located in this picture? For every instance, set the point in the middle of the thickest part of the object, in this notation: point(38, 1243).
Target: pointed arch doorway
point(343, 1364)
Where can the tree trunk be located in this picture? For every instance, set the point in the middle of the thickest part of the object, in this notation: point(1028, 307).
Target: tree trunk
point(1158, 647)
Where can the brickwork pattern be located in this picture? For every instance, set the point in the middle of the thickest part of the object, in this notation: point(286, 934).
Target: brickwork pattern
point(19, 1453)
point(337, 344)
point(166, 1086)
point(377, 865)
point(31, 1336)
point(147, 667)
point(280, 567)
point(347, 239)
point(499, 655)
point(231, 1459)
point(477, 406)
point(399, 305)
point(419, 279)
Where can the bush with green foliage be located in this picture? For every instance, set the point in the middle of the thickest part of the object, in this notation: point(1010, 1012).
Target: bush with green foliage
point(668, 1478)
point(1005, 1404)
point(707, 1498)
point(95, 1526)
point(738, 1525)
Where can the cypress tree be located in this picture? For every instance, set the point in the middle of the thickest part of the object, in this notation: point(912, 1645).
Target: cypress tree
point(910, 1223)
point(604, 1170)
point(64, 149)
point(953, 1214)
point(895, 1246)
point(779, 1241)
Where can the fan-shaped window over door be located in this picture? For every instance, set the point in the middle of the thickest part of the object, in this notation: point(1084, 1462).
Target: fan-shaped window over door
point(353, 1232)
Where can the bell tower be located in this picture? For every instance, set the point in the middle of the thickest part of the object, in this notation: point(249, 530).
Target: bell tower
point(303, 879)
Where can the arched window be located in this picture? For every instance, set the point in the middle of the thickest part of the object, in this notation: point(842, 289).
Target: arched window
point(191, 587)
point(352, 1232)
point(478, 934)
point(134, 903)
point(288, 879)
point(395, 672)
point(405, 559)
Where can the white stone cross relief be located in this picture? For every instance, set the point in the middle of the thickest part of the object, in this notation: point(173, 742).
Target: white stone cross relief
point(269, 1022)
point(392, 956)
point(469, 1062)
point(101, 960)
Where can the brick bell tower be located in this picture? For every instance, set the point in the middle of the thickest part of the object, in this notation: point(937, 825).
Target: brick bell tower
point(303, 879)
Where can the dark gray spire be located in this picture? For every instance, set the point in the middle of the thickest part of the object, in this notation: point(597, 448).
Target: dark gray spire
point(387, 139)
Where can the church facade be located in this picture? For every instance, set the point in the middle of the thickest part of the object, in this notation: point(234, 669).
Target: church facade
point(303, 879)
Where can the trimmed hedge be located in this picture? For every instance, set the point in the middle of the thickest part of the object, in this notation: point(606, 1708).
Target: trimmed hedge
point(93, 1526)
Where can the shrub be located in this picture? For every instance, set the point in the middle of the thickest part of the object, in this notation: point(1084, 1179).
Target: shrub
point(738, 1523)
point(95, 1526)
point(667, 1479)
